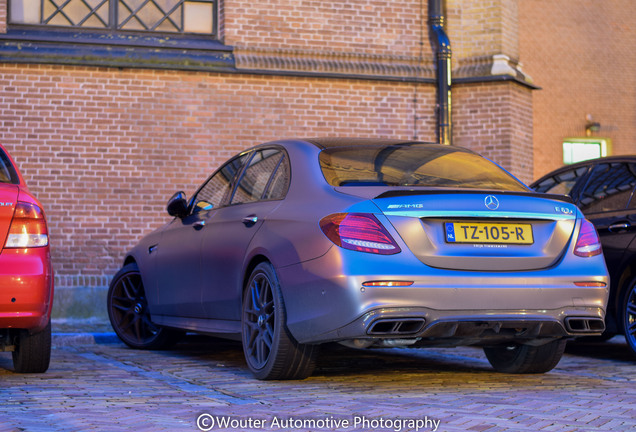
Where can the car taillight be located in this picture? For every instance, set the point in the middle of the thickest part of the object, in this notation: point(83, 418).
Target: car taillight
point(588, 243)
point(360, 232)
point(28, 227)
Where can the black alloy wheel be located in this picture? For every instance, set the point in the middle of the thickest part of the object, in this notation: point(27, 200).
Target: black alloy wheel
point(629, 316)
point(260, 320)
point(129, 315)
point(270, 351)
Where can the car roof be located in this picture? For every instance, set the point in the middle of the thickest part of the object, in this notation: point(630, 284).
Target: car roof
point(331, 142)
point(589, 162)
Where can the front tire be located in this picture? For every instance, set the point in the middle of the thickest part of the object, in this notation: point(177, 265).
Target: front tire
point(525, 359)
point(270, 351)
point(129, 315)
point(33, 351)
point(629, 316)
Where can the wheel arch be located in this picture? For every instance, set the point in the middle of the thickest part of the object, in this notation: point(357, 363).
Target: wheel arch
point(284, 357)
point(254, 261)
point(129, 260)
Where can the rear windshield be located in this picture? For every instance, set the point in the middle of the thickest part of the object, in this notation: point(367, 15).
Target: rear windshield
point(428, 165)
point(7, 172)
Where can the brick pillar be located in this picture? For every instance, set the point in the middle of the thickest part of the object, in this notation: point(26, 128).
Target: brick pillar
point(495, 120)
point(483, 28)
point(492, 96)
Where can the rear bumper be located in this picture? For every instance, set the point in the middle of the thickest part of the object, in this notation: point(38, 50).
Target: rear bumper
point(326, 301)
point(26, 288)
point(427, 327)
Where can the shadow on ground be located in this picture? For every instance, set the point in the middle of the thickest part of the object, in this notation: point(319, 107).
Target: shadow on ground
point(614, 349)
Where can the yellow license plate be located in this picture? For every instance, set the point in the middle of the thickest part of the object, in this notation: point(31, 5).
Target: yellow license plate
point(496, 233)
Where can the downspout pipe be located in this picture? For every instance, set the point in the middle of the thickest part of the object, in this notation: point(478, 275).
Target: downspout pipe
point(441, 46)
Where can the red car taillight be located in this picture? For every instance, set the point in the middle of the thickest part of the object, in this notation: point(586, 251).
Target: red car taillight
point(28, 227)
point(588, 243)
point(360, 232)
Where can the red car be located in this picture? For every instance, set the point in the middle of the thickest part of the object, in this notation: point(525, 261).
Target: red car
point(26, 277)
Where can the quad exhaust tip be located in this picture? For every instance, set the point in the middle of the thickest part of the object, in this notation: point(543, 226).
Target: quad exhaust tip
point(396, 326)
point(584, 325)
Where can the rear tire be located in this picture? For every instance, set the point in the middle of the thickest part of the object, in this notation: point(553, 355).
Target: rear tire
point(33, 351)
point(525, 359)
point(629, 316)
point(129, 315)
point(270, 350)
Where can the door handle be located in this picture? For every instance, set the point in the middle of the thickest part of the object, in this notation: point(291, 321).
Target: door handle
point(250, 220)
point(619, 226)
point(198, 225)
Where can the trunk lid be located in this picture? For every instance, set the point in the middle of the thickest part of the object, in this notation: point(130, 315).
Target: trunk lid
point(490, 231)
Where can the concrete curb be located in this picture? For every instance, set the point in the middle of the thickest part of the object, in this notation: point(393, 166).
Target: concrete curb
point(79, 339)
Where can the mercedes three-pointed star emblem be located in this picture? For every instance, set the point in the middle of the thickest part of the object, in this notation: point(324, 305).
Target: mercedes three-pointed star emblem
point(492, 203)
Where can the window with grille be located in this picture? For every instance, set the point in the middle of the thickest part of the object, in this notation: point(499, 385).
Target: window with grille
point(167, 16)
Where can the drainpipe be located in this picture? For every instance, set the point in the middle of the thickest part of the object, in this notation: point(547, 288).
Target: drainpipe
point(442, 48)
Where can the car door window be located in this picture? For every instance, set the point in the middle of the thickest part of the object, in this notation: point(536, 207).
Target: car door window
point(608, 188)
point(257, 176)
point(215, 191)
point(279, 183)
point(632, 201)
point(563, 183)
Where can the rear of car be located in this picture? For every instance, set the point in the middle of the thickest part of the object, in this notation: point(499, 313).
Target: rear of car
point(26, 277)
point(445, 248)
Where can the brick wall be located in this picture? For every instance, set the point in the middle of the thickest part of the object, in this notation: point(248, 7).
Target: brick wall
point(581, 53)
point(493, 119)
point(104, 149)
point(483, 28)
point(358, 26)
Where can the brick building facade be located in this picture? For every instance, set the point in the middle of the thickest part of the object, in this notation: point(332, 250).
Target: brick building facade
point(106, 123)
point(582, 54)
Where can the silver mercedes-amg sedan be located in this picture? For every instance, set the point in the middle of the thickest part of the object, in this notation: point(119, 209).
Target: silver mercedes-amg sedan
point(367, 242)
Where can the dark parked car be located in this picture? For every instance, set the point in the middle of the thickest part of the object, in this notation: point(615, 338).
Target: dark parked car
point(26, 277)
point(605, 190)
point(295, 243)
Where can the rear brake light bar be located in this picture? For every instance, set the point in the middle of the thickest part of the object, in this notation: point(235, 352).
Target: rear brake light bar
point(387, 283)
point(590, 284)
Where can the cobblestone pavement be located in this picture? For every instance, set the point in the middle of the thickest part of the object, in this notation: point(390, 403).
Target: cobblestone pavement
point(95, 383)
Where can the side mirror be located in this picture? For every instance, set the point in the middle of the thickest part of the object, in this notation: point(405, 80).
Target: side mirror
point(177, 205)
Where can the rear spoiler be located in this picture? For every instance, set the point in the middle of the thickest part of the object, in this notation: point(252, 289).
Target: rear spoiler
point(412, 192)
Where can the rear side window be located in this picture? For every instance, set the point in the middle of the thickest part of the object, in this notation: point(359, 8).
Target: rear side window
point(7, 171)
point(609, 187)
point(427, 165)
point(279, 183)
point(257, 176)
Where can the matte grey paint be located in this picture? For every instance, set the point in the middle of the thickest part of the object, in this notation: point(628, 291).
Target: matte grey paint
point(465, 294)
